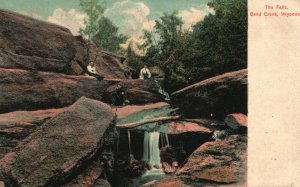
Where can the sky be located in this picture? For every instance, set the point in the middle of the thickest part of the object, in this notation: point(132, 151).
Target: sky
point(131, 16)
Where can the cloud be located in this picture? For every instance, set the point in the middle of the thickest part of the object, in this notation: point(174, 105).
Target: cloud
point(191, 17)
point(131, 19)
point(71, 19)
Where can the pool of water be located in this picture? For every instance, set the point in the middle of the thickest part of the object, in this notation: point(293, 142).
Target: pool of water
point(148, 177)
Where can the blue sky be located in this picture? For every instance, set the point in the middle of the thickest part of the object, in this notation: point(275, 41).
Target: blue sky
point(131, 16)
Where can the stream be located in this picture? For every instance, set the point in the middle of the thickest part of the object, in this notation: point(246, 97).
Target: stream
point(151, 156)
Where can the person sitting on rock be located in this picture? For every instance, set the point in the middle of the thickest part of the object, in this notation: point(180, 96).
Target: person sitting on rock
point(145, 73)
point(91, 70)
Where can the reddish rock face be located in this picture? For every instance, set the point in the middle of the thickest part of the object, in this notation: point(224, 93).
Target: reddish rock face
point(222, 162)
point(110, 65)
point(179, 127)
point(169, 181)
point(15, 126)
point(27, 90)
point(136, 91)
point(31, 44)
point(61, 146)
point(88, 177)
point(215, 97)
point(236, 121)
point(123, 112)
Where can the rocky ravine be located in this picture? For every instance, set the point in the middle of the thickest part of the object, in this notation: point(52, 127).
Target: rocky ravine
point(55, 129)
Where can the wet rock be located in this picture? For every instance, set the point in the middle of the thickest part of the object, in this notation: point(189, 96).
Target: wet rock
point(221, 162)
point(123, 112)
point(212, 124)
point(236, 121)
point(179, 127)
point(136, 91)
point(61, 146)
point(215, 97)
point(167, 168)
point(220, 135)
point(51, 48)
point(170, 155)
point(15, 126)
point(135, 168)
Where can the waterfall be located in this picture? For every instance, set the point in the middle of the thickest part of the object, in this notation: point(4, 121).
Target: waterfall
point(129, 144)
point(163, 92)
point(151, 149)
point(154, 149)
point(164, 139)
point(118, 140)
point(146, 147)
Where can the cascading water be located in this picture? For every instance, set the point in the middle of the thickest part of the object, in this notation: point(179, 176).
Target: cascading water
point(164, 139)
point(151, 149)
point(129, 144)
point(163, 92)
point(151, 155)
point(154, 149)
point(146, 156)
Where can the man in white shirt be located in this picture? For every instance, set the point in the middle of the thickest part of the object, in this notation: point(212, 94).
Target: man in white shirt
point(91, 70)
point(145, 73)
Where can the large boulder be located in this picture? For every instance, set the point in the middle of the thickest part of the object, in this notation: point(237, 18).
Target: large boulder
point(217, 96)
point(87, 177)
point(62, 146)
point(137, 91)
point(110, 66)
point(16, 126)
point(31, 90)
point(123, 112)
point(27, 90)
point(180, 127)
point(31, 44)
point(221, 162)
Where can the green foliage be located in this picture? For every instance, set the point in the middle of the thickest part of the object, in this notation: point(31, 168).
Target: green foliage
point(222, 38)
point(216, 45)
point(99, 28)
point(169, 29)
point(133, 60)
point(94, 10)
point(107, 36)
point(165, 51)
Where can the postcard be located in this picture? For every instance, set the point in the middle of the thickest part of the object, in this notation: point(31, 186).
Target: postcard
point(152, 93)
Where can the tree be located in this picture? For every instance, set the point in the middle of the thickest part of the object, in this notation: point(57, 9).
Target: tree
point(163, 52)
point(133, 60)
point(99, 28)
point(222, 38)
point(169, 29)
point(94, 10)
point(216, 45)
point(107, 36)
